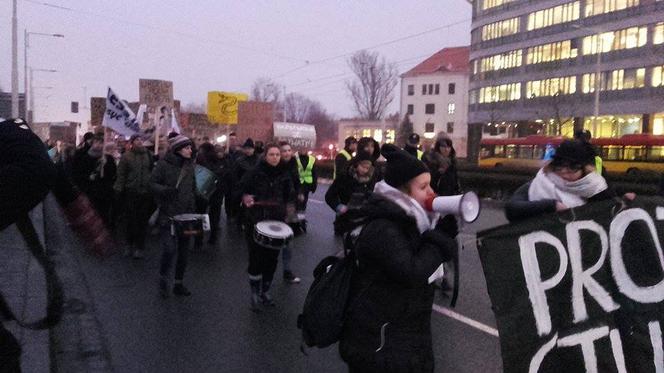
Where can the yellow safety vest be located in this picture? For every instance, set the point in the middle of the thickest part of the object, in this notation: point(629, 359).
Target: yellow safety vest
point(419, 154)
point(306, 175)
point(346, 155)
point(598, 164)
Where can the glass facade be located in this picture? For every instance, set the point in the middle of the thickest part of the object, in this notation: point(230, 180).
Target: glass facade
point(657, 79)
point(551, 52)
point(658, 124)
point(628, 38)
point(488, 4)
point(549, 87)
point(505, 92)
point(553, 16)
point(615, 80)
point(613, 125)
point(501, 28)
point(658, 34)
point(595, 7)
point(499, 61)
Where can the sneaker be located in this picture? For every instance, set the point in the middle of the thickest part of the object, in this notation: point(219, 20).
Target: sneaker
point(180, 290)
point(291, 278)
point(138, 254)
point(163, 288)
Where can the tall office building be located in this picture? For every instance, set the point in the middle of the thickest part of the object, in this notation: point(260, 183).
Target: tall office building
point(553, 66)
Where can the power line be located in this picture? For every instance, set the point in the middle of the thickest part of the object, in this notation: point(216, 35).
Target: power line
point(165, 30)
point(382, 44)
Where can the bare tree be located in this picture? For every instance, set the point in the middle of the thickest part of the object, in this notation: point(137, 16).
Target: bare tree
point(266, 90)
point(326, 128)
point(405, 129)
point(297, 107)
point(372, 90)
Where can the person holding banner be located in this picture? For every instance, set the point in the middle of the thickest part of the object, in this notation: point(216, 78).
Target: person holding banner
point(174, 185)
point(568, 180)
point(388, 319)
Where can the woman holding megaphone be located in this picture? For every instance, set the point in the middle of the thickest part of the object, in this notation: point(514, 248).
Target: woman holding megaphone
point(399, 250)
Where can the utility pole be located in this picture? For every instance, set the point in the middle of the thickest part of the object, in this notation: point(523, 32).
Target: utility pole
point(25, 74)
point(14, 62)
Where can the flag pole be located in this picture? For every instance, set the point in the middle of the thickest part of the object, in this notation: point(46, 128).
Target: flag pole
point(156, 137)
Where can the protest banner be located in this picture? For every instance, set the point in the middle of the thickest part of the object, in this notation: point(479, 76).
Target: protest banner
point(298, 135)
point(223, 106)
point(580, 291)
point(255, 121)
point(118, 116)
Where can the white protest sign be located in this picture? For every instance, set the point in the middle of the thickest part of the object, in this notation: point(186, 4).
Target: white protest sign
point(118, 116)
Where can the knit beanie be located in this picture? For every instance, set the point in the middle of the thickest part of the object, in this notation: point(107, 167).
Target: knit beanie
point(401, 166)
point(248, 144)
point(574, 153)
point(178, 142)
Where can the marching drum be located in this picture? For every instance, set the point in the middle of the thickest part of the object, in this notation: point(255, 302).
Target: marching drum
point(206, 181)
point(189, 224)
point(272, 234)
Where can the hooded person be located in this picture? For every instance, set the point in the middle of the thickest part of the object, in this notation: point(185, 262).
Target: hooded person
point(174, 185)
point(352, 189)
point(568, 180)
point(370, 147)
point(245, 163)
point(388, 323)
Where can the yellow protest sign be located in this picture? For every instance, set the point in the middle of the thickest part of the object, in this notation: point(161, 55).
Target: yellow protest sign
point(223, 106)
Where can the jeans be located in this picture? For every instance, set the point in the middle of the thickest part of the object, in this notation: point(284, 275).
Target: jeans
point(262, 261)
point(172, 246)
point(286, 258)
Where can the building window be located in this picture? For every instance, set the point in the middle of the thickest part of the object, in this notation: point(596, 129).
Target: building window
point(658, 124)
point(549, 87)
point(501, 28)
point(451, 88)
point(451, 108)
point(473, 96)
point(429, 127)
point(430, 89)
point(429, 109)
point(561, 50)
point(553, 16)
point(628, 38)
point(615, 80)
point(505, 92)
point(450, 127)
point(658, 37)
point(595, 7)
point(488, 4)
point(613, 125)
point(437, 89)
point(424, 89)
point(657, 79)
point(500, 61)
point(411, 89)
point(410, 110)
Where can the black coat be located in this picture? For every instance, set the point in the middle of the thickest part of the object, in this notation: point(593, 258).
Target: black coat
point(272, 188)
point(348, 190)
point(172, 197)
point(390, 294)
point(87, 175)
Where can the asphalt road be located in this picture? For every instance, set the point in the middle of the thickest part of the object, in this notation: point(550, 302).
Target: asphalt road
point(214, 330)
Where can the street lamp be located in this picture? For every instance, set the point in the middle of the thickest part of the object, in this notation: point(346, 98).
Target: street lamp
point(26, 45)
point(32, 96)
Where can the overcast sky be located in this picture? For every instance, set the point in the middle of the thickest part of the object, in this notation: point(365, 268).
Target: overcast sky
point(218, 45)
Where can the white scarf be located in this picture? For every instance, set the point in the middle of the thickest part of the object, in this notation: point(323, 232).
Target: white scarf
point(425, 219)
point(548, 185)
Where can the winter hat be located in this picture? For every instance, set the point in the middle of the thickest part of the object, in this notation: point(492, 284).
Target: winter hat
point(362, 156)
point(573, 153)
point(401, 166)
point(178, 142)
point(413, 139)
point(172, 134)
point(134, 137)
point(249, 143)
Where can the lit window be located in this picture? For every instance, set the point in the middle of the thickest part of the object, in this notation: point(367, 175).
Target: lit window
point(429, 109)
point(657, 76)
point(615, 80)
point(628, 38)
point(366, 132)
point(553, 16)
point(550, 87)
point(451, 107)
point(505, 92)
point(595, 7)
point(499, 29)
point(501, 61)
point(551, 52)
point(658, 37)
point(488, 4)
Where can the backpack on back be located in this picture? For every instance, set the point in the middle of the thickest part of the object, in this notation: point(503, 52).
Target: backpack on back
point(324, 310)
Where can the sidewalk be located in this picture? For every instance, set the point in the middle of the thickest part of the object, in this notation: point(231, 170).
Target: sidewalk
point(22, 284)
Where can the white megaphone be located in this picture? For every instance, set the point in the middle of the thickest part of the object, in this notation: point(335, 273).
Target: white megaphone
point(467, 206)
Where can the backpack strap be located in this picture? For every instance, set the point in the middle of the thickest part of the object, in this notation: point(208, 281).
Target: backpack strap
point(54, 292)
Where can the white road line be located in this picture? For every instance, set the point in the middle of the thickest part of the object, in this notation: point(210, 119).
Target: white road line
point(459, 317)
point(316, 201)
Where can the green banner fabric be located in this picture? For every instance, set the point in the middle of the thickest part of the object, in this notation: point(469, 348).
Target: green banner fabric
point(580, 291)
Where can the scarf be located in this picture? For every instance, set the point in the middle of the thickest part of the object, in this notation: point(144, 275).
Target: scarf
point(425, 220)
point(548, 185)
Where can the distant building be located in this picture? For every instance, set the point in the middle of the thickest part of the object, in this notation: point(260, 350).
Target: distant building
point(54, 131)
point(434, 94)
point(535, 65)
point(6, 105)
point(380, 130)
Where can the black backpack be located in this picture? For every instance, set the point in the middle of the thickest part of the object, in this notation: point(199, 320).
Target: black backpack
point(323, 315)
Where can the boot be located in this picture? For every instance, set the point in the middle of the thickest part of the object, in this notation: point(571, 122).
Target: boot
point(255, 294)
point(265, 294)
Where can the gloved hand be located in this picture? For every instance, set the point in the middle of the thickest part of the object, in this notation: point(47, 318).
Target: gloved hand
point(447, 246)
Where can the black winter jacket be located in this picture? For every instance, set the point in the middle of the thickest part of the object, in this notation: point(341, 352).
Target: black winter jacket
point(348, 190)
point(272, 188)
point(86, 172)
point(171, 200)
point(388, 323)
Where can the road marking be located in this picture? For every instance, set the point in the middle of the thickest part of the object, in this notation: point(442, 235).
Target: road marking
point(459, 317)
point(316, 201)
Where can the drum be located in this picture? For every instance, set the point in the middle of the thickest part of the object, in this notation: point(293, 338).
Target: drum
point(272, 234)
point(187, 225)
point(206, 181)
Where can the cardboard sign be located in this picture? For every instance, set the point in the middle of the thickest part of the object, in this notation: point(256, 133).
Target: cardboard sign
point(223, 106)
point(580, 291)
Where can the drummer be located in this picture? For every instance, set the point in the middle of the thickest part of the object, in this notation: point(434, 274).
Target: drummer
point(174, 186)
point(268, 194)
